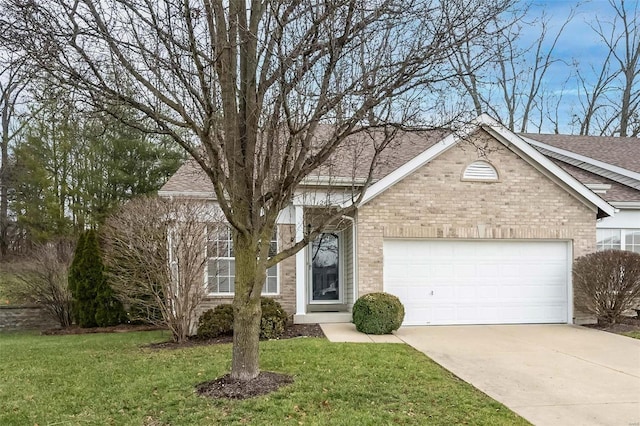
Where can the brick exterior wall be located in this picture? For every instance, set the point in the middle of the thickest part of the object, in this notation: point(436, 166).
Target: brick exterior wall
point(434, 202)
point(286, 277)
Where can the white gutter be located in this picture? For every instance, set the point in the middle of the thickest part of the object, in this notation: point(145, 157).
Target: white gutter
point(187, 194)
point(626, 204)
point(332, 181)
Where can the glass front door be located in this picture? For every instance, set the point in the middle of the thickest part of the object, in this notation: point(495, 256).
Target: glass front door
point(325, 273)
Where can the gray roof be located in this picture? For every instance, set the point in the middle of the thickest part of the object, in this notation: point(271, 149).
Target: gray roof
point(617, 192)
point(621, 152)
point(353, 159)
point(189, 178)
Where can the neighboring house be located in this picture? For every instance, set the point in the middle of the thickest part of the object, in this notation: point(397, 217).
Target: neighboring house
point(479, 227)
point(610, 167)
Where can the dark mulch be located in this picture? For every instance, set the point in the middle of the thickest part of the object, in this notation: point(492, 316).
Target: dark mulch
point(292, 331)
point(226, 387)
point(624, 325)
point(302, 330)
point(122, 328)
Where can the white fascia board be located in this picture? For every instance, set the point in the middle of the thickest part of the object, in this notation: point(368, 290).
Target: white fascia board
point(310, 197)
point(409, 167)
point(187, 194)
point(595, 187)
point(508, 136)
point(601, 164)
point(332, 181)
point(623, 205)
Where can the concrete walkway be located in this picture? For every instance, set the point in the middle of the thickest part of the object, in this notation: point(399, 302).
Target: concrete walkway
point(549, 374)
point(346, 332)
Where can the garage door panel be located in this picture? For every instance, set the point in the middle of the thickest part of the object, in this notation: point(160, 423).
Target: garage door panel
point(417, 315)
point(478, 282)
point(485, 292)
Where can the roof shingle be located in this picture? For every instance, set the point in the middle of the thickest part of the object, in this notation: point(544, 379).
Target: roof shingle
point(621, 152)
point(617, 192)
point(353, 159)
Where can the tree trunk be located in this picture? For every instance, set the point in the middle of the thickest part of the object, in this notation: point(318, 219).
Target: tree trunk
point(4, 184)
point(250, 276)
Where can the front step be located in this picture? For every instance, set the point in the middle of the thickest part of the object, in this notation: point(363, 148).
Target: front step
point(322, 317)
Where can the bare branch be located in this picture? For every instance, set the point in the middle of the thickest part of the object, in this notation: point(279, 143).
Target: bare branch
point(155, 256)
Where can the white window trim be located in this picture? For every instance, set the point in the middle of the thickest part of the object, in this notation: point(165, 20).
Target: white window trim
point(231, 294)
point(277, 293)
point(206, 276)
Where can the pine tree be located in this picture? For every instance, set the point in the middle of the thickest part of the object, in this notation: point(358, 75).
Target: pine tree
point(87, 273)
point(95, 304)
point(75, 275)
point(109, 310)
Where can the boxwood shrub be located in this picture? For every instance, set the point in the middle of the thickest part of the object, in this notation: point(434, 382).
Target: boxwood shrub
point(273, 320)
point(216, 322)
point(219, 321)
point(378, 313)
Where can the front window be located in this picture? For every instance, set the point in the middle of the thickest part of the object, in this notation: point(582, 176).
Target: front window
point(632, 240)
point(221, 264)
point(618, 239)
point(608, 239)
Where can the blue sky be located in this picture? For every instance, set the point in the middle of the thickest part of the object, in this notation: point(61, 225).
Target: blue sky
point(578, 40)
point(578, 43)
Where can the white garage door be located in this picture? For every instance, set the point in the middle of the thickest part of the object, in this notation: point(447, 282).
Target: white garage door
point(478, 282)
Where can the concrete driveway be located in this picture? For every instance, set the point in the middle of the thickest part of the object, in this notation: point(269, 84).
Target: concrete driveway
point(549, 374)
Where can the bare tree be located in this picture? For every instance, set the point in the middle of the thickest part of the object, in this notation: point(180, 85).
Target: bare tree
point(13, 82)
point(155, 253)
point(607, 283)
point(503, 77)
point(244, 88)
point(42, 279)
point(611, 103)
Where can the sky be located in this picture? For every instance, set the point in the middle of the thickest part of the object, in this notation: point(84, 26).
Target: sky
point(578, 40)
point(577, 43)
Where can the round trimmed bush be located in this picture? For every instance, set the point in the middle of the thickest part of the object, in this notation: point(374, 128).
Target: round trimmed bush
point(216, 322)
point(378, 313)
point(274, 319)
point(219, 321)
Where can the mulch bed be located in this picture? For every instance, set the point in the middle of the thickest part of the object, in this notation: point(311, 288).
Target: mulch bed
point(292, 331)
point(122, 328)
point(226, 387)
point(624, 325)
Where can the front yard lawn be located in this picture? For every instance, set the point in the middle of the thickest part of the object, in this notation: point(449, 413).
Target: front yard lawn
point(110, 379)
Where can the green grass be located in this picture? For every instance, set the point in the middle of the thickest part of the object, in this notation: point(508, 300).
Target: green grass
point(634, 334)
point(109, 379)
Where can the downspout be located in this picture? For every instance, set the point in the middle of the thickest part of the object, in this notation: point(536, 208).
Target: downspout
point(354, 260)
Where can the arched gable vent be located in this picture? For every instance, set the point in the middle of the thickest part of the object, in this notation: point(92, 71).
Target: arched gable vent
point(480, 170)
